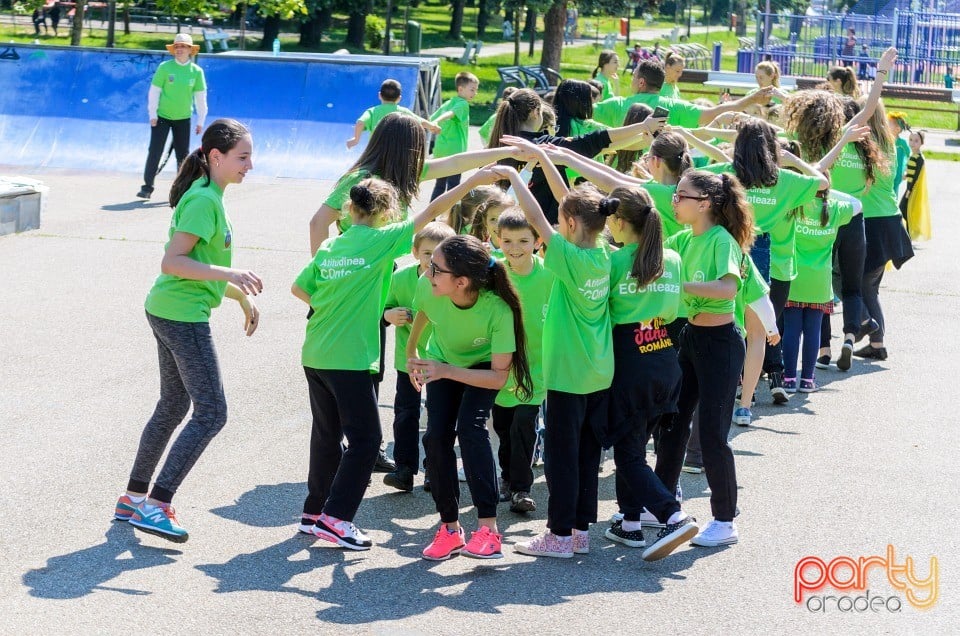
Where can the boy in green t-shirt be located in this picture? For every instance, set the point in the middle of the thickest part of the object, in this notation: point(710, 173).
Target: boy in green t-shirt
point(453, 117)
point(399, 313)
point(390, 93)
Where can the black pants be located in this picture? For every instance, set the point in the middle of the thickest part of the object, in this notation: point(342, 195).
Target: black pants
point(443, 184)
point(343, 406)
point(711, 359)
point(572, 458)
point(849, 250)
point(516, 426)
point(871, 300)
point(406, 424)
point(638, 487)
point(158, 137)
point(456, 410)
point(773, 354)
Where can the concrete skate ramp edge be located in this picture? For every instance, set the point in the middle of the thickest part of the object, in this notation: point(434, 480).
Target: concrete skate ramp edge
point(86, 108)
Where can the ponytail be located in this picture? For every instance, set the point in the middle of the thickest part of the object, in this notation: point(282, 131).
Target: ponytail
point(499, 283)
point(512, 112)
point(728, 203)
point(196, 165)
point(672, 149)
point(222, 135)
point(636, 208)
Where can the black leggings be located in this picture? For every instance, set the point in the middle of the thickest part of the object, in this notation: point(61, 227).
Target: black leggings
point(849, 252)
point(158, 137)
point(516, 426)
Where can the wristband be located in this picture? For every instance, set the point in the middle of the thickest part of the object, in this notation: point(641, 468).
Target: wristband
point(884, 72)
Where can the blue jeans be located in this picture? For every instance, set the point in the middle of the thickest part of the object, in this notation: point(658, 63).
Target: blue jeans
point(797, 322)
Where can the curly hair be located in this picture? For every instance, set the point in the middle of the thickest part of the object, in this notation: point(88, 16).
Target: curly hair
point(816, 118)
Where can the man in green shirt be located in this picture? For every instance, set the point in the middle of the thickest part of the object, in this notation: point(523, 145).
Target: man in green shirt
point(177, 84)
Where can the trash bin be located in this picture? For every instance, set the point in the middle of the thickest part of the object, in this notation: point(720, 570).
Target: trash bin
point(624, 27)
point(414, 37)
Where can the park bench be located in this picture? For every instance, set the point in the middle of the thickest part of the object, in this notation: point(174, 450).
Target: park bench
point(610, 41)
point(210, 38)
point(471, 50)
point(540, 78)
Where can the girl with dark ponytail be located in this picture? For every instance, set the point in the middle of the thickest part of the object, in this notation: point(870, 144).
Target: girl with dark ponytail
point(197, 273)
point(644, 299)
point(711, 348)
point(476, 341)
point(606, 73)
point(345, 286)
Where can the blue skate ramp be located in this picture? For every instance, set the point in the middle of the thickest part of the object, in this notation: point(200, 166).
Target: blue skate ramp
point(86, 108)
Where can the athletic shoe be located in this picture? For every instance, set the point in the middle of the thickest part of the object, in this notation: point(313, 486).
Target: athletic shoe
point(871, 353)
point(306, 524)
point(807, 386)
point(843, 362)
point(548, 545)
point(670, 538)
point(692, 467)
point(717, 533)
point(343, 533)
point(823, 362)
point(484, 544)
point(581, 542)
point(866, 329)
point(742, 416)
point(504, 493)
point(144, 193)
point(384, 464)
point(777, 388)
point(648, 519)
point(521, 501)
point(445, 544)
point(159, 520)
point(401, 479)
point(790, 385)
point(125, 508)
point(631, 538)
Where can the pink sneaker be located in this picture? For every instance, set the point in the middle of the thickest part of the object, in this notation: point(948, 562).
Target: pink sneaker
point(445, 544)
point(484, 544)
point(547, 544)
point(581, 542)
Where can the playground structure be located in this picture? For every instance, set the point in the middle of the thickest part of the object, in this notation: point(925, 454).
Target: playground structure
point(809, 45)
point(87, 108)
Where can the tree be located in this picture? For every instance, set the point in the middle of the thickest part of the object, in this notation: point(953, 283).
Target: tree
point(357, 22)
point(76, 30)
point(273, 11)
point(456, 19)
point(320, 19)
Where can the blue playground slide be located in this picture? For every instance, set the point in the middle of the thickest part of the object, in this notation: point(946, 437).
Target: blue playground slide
point(86, 108)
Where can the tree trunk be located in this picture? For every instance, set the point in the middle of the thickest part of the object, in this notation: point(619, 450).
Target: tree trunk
point(271, 30)
point(553, 22)
point(456, 20)
point(741, 19)
point(126, 19)
point(483, 18)
point(530, 23)
point(311, 31)
point(76, 30)
point(356, 26)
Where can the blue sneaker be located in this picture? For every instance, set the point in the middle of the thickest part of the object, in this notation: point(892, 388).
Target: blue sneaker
point(125, 508)
point(159, 520)
point(742, 416)
point(790, 385)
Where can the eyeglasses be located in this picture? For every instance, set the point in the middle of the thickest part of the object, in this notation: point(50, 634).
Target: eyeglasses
point(434, 270)
point(677, 197)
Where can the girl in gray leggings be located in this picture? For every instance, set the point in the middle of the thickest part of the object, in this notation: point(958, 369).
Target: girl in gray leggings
point(196, 275)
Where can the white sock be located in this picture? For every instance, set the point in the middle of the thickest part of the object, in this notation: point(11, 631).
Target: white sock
point(631, 526)
point(677, 517)
point(136, 500)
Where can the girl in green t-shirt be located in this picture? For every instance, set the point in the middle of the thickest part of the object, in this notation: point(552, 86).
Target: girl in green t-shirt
point(673, 64)
point(346, 287)
point(606, 73)
point(577, 355)
point(484, 224)
point(624, 158)
point(644, 298)
point(197, 274)
point(711, 347)
point(477, 339)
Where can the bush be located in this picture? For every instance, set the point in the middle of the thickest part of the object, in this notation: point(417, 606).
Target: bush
point(373, 32)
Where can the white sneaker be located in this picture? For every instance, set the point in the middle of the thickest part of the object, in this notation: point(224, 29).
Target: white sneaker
point(649, 520)
point(717, 533)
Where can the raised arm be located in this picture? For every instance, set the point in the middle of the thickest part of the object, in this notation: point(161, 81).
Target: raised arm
point(601, 175)
point(762, 96)
point(708, 149)
point(870, 106)
point(850, 134)
point(447, 200)
point(460, 163)
point(528, 203)
point(790, 160)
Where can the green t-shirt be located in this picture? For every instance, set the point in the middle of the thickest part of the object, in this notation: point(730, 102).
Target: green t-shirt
point(372, 116)
point(709, 257)
point(848, 174)
point(630, 303)
point(465, 337)
point(753, 289)
point(577, 337)
point(903, 154)
point(662, 196)
point(534, 292)
point(670, 90)
point(347, 282)
point(609, 88)
point(881, 200)
point(814, 283)
point(772, 209)
point(341, 194)
point(403, 287)
point(177, 84)
point(612, 111)
point(200, 213)
point(487, 129)
point(580, 127)
point(453, 132)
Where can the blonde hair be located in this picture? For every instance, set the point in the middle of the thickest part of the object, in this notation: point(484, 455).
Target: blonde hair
point(772, 69)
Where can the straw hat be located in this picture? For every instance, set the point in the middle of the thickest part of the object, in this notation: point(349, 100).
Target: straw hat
point(183, 38)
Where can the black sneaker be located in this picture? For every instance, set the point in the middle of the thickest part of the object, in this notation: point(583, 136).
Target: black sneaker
point(871, 353)
point(866, 329)
point(384, 464)
point(823, 362)
point(505, 493)
point(776, 388)
point(633, 538)
point(843, 362)
point(521, 501)
point(144, 193)
point(401, 479)
point(670, 538)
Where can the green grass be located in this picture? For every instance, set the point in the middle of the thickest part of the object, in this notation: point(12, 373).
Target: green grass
point(936, 155)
